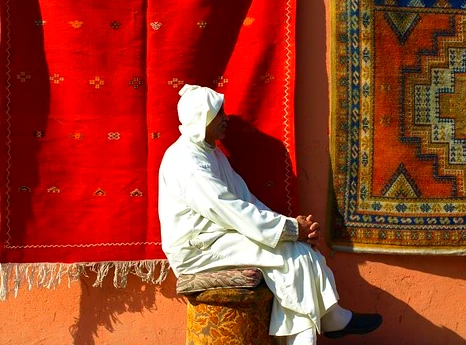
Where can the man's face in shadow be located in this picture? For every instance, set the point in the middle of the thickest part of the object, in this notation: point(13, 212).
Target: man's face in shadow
point(216, 130)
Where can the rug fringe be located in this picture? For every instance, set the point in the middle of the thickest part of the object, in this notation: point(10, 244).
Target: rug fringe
point(49, 275)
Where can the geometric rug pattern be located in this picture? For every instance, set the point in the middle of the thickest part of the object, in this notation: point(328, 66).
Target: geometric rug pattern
point(398, 127)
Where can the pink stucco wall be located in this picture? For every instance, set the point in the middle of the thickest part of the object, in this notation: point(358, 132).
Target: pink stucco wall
point(422, 298)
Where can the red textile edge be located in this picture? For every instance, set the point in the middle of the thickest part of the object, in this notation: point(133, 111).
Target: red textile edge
point(113, 251)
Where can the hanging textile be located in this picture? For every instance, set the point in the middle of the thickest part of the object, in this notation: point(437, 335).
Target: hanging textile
point(398, 135)
point(89, 94)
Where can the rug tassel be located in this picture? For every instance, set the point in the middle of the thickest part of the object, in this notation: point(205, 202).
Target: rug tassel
point(30, 275)
point(4, 272)
point(17, 280)
point(74, 272)
point(50, 275)
point(120, 277)
point(164, 269)
point(102, 271)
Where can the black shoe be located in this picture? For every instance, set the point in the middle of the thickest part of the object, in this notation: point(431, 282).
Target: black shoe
point(359, 324)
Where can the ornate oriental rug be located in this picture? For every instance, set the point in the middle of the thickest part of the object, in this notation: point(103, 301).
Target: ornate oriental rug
point(88, 97)
point(399, 126)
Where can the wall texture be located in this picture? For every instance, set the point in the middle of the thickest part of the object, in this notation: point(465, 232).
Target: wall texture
point(421, 297)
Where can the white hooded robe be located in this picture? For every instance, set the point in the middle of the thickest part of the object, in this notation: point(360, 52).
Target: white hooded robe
point(210, 220)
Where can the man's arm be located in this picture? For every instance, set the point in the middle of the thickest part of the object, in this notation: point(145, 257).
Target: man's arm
point(207, 195)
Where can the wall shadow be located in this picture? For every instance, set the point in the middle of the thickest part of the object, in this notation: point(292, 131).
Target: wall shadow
point(403, 322)
point(229, 16)
point(101, 307)
point(25, 106)
point(262, 162)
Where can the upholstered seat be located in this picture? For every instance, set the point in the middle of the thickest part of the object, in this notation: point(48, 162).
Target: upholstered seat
point(227, 307)
point(225, 279)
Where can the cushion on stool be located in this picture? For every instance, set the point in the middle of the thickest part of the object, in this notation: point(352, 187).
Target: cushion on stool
point(228, 278)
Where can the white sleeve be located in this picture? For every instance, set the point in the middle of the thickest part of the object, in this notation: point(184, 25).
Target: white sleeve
point(210, 197)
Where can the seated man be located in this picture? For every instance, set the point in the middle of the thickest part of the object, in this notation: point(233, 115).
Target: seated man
point(210, 220)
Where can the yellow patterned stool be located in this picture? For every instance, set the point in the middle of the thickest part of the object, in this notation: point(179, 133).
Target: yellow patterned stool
point(230, 317)
point(230, 307)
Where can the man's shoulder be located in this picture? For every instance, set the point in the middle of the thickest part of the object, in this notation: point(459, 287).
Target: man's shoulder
point(186, 155)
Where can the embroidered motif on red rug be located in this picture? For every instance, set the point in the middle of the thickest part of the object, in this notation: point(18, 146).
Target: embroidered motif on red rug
point(89, 106)
point(398, 132)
